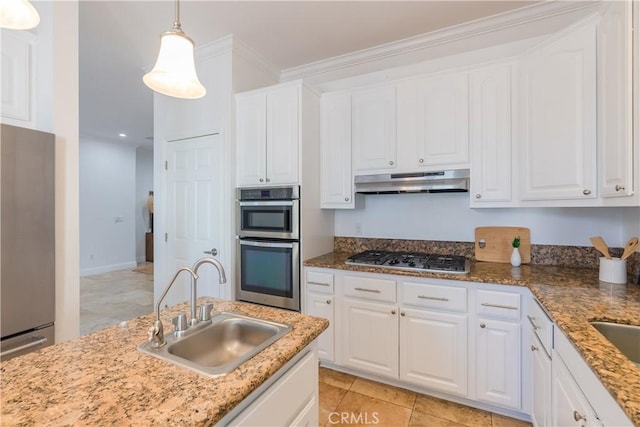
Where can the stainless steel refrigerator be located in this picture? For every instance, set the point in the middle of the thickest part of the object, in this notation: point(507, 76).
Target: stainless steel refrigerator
point(27, 234)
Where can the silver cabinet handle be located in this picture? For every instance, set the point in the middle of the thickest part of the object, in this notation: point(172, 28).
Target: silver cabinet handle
point(433, 298)
point(402, 313)
point(421, 161)
point(619, 187)
point(213, 252)
point(482, 325)
point(531, 320)
point(346, 199)
point(393, 312)
point(578, 416)
point(508, 307)
point(586, 191)
point(478, 196)
point(328, 301)
point(318, 283)
point(391, 162)
point(38, 341)
point(375, 291)
point(261, 180)
point(268, 180)
point(534, 348)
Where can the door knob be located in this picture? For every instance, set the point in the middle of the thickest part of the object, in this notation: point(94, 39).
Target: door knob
point(213, 252)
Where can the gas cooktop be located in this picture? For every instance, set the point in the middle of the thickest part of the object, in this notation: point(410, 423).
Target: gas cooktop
point(412, 261)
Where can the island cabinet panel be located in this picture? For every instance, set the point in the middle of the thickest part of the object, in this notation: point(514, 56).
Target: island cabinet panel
point(292, 400)
point(558, 118)
point(433, 350)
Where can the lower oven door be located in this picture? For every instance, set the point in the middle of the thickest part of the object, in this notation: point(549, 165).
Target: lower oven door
point(269, 272)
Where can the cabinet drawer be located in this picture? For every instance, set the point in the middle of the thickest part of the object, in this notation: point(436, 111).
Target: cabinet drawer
point(369, 288)
point(504, 305)
point(320, 282)
point(433, 296)
point(541, 325)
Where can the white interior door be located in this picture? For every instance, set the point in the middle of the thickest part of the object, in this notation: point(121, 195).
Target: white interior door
point(194, 206)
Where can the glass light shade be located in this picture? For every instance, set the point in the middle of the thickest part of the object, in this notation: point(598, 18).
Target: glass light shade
point(175, 71)
point(18, 15)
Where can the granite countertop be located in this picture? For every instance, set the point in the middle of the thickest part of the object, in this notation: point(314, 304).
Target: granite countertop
point(102, 379)
point(573, 297)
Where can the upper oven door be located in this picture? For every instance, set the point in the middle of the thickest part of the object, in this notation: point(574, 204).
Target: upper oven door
point(277, 219)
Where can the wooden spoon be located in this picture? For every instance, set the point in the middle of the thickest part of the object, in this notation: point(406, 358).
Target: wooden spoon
point(600, 245)
point(630, 247)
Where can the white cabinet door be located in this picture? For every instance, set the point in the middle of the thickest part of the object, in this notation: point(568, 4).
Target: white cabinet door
point(541, 383)
point(442, 119)
point(370, 337)
point(498, 362)
point(283, 136)
point(433, 350)
point(490, 134)
point(374, 129)
point(17, 77)
point(570, 406)
point(335, 143)
point(320, 305)
point(615, 136)
point(251, 142)
point(558, 118)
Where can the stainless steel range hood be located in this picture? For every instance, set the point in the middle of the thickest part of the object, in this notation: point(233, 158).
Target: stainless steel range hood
point(449, 181)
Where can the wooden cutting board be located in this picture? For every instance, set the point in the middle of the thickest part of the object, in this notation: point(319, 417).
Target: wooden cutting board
point(493, 244)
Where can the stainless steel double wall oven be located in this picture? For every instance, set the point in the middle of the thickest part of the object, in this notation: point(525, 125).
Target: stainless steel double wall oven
point(268, 247)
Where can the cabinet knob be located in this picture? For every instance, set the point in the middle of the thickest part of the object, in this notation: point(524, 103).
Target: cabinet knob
point(261, 180)
point(391, 162)
point(268, 180)
point(586, 192)
point(478, 196)
point(328, 301)
point(393, 312)
point(482, 325)
point(534, 348)
point(578, 416)
point(402, 313)
point(346, 199)
point(421, 161)
point(619, 187)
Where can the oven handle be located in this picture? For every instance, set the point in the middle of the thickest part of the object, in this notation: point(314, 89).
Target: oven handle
point(268, 203)
point(288, 245)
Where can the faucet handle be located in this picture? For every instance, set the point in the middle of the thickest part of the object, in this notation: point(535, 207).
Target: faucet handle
point(180, 322)
point(205, 312)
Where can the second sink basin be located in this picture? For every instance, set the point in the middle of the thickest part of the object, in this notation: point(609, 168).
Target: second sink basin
point(625, 337)
point(220, 347)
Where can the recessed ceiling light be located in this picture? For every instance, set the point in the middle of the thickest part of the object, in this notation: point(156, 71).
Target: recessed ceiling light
point(122, 135)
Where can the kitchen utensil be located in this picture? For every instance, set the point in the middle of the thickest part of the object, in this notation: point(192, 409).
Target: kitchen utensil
point(600, 245)
point(493, 244)
point(630, 247)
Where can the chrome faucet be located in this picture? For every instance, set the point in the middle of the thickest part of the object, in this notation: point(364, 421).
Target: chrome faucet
point(156, 332)
point(194, 285)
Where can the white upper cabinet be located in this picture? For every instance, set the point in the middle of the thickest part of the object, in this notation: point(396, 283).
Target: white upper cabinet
point(490, 134)
point(17, 78)
point(335, 160)
point(433, 121)
point(268, 136)
point(615, 139)
point(558, 118)
point(374, 129)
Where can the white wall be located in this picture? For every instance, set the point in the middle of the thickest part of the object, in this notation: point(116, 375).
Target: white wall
point(447, 217)
point(144, 184)
point(107, 207)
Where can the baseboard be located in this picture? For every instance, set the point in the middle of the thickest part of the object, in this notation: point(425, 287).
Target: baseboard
point(107, 268)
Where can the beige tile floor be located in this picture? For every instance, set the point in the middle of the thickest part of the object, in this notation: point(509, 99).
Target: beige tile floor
point(110, 298)
point(349, 400)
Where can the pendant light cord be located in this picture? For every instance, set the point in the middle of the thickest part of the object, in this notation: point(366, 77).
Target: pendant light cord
point(176, 24)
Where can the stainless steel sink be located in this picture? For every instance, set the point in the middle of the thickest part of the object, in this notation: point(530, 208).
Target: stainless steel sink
point(625, 337)
point(220, 347)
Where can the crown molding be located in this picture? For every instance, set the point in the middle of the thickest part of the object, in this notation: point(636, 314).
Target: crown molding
point(422, 43)
point(243, 50)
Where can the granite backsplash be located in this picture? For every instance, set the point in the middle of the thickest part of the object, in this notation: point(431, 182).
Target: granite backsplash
point(563, 256)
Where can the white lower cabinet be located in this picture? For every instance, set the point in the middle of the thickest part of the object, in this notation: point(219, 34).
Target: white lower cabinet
point(540, 384)
point(570, 405)
point(321, 305)
point(370, 337)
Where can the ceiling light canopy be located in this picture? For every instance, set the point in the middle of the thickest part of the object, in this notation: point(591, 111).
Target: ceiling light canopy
point(175, 71)
point(18, 15)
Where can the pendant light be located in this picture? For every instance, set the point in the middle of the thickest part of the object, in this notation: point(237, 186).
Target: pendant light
point(175, 71)
point(18, 15)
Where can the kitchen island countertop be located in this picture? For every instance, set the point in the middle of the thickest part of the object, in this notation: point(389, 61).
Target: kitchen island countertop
point(102, 379)
point(572, 296)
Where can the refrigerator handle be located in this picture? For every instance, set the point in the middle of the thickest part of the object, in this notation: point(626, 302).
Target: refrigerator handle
point(37, 341)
